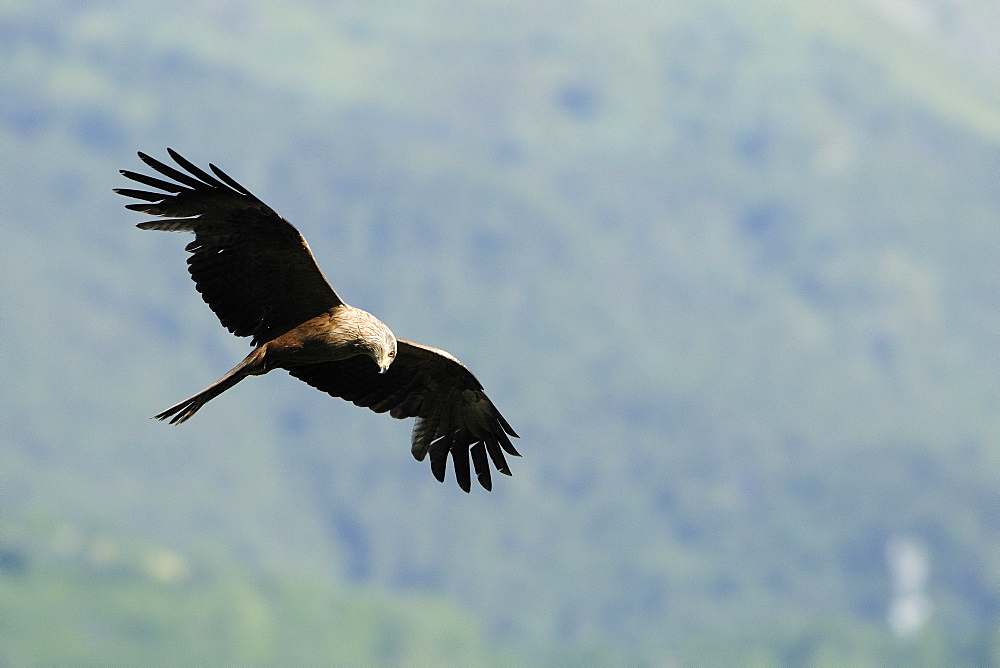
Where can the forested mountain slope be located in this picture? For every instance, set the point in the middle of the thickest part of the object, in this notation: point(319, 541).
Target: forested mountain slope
point(730, 269)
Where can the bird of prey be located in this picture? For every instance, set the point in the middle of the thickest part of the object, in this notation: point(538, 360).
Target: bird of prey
point(256, 272)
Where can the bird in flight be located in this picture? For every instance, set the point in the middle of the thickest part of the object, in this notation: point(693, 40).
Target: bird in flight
point(257, 273)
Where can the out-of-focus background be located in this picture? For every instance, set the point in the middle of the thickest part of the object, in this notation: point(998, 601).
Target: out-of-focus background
point(730, 268)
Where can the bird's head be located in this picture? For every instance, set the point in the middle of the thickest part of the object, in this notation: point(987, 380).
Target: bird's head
point(377, 341)
point(385, 352)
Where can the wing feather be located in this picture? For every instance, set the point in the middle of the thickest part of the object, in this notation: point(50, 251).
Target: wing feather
point(454, 417)
point(139, 194)
point(388, 402)
point(478, 454)
point(251, 266)
point(198, 173)
point(447, 443)
point(171, 173)
point(461, 464)
point(152, 181)
point(229, 181)
point(439, 461)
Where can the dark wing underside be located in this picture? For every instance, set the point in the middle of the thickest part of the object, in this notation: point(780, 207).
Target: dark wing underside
point(251, 266)
point(453, 414)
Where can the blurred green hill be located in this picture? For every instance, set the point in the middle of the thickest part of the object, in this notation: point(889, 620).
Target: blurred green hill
point(730, 269)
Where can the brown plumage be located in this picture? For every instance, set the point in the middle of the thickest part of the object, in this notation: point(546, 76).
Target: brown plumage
point(256, 272)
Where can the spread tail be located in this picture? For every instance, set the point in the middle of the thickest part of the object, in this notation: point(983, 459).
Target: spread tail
point(253, 364)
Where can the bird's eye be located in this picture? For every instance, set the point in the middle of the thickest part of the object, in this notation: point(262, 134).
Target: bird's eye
point(392, 353)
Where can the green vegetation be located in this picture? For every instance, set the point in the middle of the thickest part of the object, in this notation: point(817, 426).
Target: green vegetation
point(729, 268)
point(91, 598)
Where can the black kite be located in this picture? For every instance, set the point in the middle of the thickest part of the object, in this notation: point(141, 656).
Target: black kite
point(256, 272)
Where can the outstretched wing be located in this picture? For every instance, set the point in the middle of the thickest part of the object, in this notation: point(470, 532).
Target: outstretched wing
point(453, 414)
point(251, 266)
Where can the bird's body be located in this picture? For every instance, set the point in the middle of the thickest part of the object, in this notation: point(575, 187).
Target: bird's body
point(338, 334)
point(258, 275)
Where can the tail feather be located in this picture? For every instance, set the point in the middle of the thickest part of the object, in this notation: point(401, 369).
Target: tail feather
point(253, 364)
